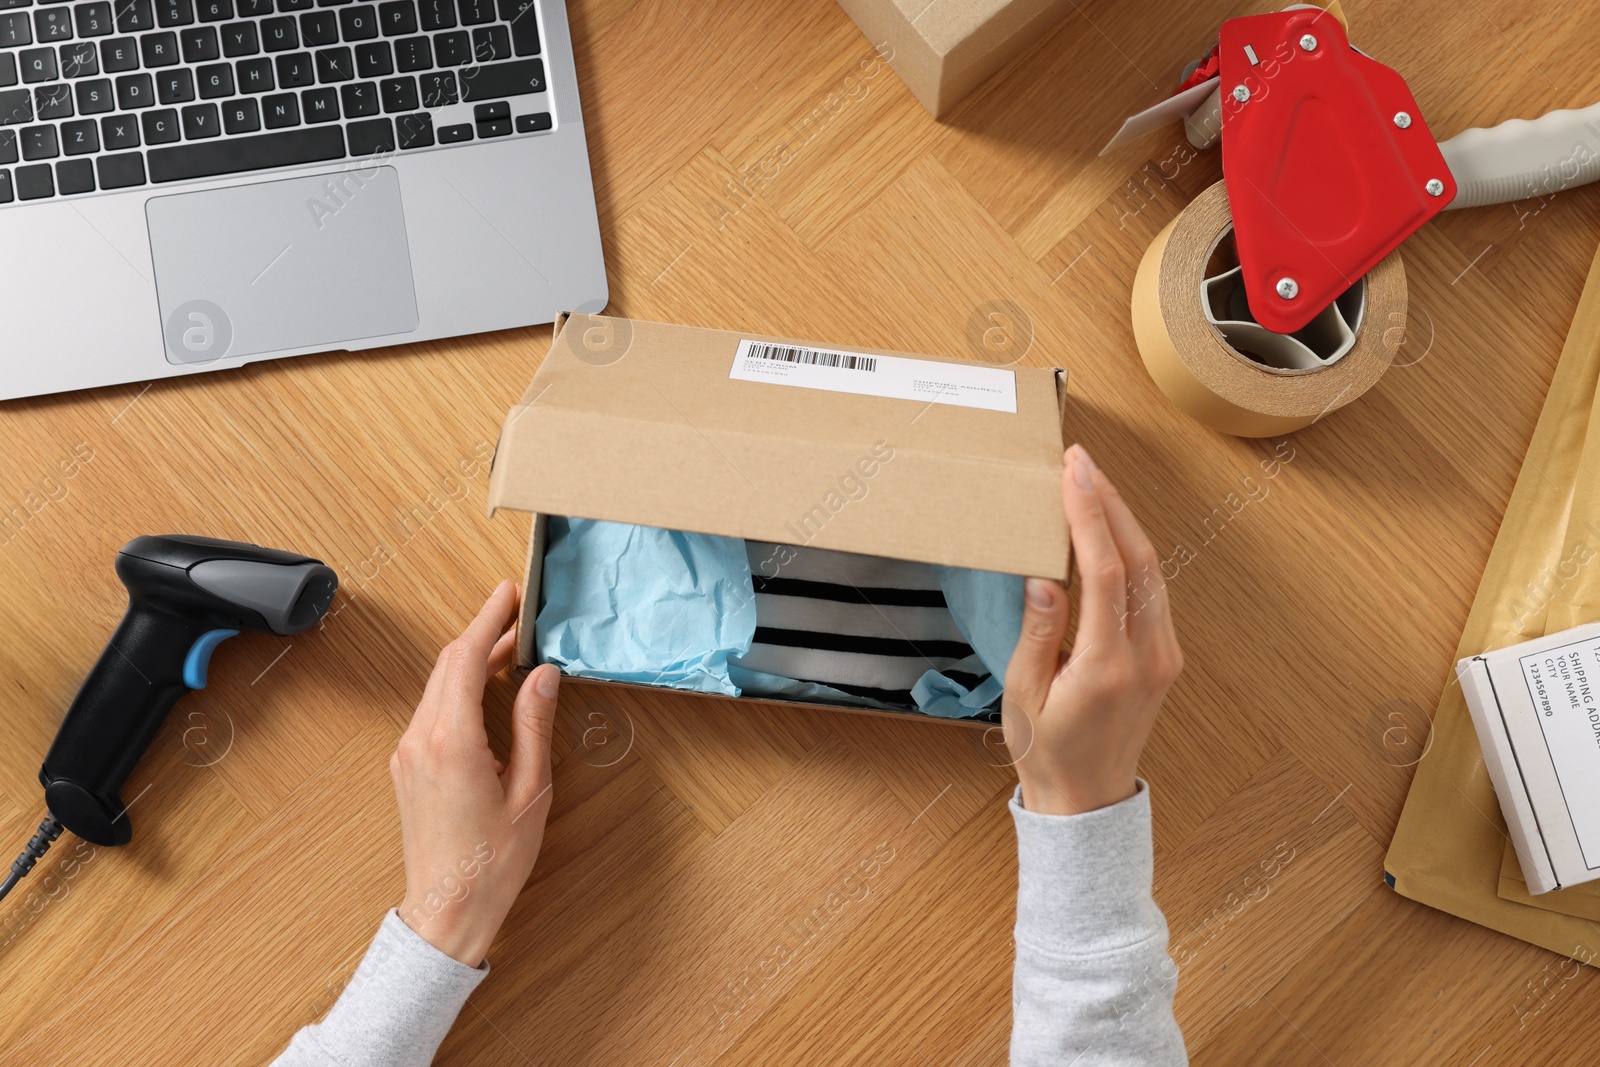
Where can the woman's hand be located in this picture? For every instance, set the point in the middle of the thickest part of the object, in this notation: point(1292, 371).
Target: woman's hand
point(472, 826)
point(1076, 729)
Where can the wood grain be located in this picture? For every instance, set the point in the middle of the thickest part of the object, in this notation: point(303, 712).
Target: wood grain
point(758, 167)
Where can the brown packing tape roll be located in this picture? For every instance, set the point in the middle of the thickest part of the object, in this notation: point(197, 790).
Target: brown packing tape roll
point(1205, 377)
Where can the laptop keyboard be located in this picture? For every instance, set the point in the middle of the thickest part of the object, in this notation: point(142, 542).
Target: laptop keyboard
point(113, 94)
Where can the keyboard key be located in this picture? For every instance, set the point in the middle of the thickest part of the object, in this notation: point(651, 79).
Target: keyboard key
point(39, 65)
point(359, 99)
point(15, 29)
point(452, 49)
point(438, 89)
point(254, 8)
point(534, 123)
point(174, 12)
point(295, 71)
point(524, 26)
point(94, 97)
point(175, 86)
point(436, 14)
point(200, 122)
point(331, 3)
point(371, 137)
point(134, 16)
point(280, 110)
point(36, 182)
point(398, 17)
point(239, 39)
point(415, 131)
point(255, 75)
point(502, 79)
point(319, 27)
point(8, 69)
point(210, 11)
point(335, 65)
point(93, 20)
point(374, 59)
point(159, 49)
point(199, 44)
point(412, 53)
point(296, 5)
point(241, 116)
point(16, 106)
point(74, 176)
point(52, 102)
point(79, 60)
point(52, 24)
point(160, 127)
point(120, 172)
point(490, 43)
point(497, 128)
point(80, 137)
point(230, 155)
point(490, 112)
point(135, 91)
point(452, 134)
point(320, 105)
point(119, 54)
point(358, 23)
point(475, 12)
point(216, 81)
point(119, 131)
point(5, 187)
point(399, 94)
point(39, 142)
point(279, 34)
point(8, 146)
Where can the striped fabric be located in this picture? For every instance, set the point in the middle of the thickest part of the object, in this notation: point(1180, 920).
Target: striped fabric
point(864, 625)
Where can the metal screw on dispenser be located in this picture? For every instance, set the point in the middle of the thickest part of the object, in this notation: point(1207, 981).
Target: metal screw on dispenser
point(1240, 93)
point(1288, 288)
point(1309, 43)
point(1402, 120)
point(1435, 187)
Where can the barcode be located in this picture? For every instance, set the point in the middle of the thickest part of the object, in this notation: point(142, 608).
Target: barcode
point(814, 356)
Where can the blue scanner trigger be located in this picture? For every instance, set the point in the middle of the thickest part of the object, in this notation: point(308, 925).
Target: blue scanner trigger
point(199, 657)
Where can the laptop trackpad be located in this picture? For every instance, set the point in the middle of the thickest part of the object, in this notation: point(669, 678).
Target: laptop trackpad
point(297, 263)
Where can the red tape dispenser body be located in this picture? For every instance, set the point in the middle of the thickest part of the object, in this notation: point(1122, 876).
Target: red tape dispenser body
point(1327, 162)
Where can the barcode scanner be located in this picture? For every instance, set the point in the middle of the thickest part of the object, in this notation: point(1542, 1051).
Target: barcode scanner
point(186, 595)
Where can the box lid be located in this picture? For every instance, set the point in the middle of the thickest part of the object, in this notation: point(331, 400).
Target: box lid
point(646, 423)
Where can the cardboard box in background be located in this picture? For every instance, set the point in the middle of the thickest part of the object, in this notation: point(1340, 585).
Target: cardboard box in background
point(741, 435)
point(943, 49)
point(1536, 707)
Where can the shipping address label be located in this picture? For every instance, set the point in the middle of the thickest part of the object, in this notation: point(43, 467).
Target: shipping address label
point(895, 377)
point(1564, 683)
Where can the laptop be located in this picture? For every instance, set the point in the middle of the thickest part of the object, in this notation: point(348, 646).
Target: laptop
point(192, 185)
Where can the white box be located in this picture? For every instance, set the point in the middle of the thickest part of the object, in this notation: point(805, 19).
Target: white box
point(1536, 707)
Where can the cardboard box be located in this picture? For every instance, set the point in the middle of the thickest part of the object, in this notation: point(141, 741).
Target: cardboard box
point(743, 435)
point(943, 49)
point(1536, 707)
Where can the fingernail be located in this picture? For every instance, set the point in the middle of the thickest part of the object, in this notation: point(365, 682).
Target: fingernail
point(548, 682)
point(1082, 467)
point(1039, 593)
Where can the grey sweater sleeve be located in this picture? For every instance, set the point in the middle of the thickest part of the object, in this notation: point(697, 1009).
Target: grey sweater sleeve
point(1093, 983)
point(396, 1009)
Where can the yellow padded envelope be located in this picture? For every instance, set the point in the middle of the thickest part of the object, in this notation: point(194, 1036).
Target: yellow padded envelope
point(1449, 850)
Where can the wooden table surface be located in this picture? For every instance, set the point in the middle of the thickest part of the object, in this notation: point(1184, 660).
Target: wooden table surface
point(757, 166)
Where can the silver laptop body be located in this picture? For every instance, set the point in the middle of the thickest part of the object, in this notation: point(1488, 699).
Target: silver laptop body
point(308, 176)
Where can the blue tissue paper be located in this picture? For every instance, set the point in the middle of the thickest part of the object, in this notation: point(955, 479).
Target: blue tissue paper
point(640, 604)
point(661, 607)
